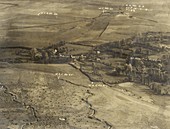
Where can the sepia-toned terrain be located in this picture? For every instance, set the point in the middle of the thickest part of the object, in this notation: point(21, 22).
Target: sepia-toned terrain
point(92, 64)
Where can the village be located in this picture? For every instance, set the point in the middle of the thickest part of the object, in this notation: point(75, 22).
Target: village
point(93, 64)
point(143, 59)
point(146, 61)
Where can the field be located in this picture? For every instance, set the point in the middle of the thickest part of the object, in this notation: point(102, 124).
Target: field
point(79, 88)
point(77, 21)
point(40, 99)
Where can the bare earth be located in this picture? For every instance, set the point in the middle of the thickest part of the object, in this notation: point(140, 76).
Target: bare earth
point(75, 100)
point(59, 96)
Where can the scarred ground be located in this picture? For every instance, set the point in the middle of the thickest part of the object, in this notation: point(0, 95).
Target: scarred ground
point(59, 96)
point(74, 102)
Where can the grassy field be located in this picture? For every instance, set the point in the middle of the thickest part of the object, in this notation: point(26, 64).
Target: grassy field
point(77, 21)
point(64, 96)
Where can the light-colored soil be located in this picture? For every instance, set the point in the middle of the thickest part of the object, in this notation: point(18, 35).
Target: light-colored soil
point(36, 96)
point(74, 99)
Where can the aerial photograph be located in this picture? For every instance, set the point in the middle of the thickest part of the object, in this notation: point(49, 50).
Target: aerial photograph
point(84, 64)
